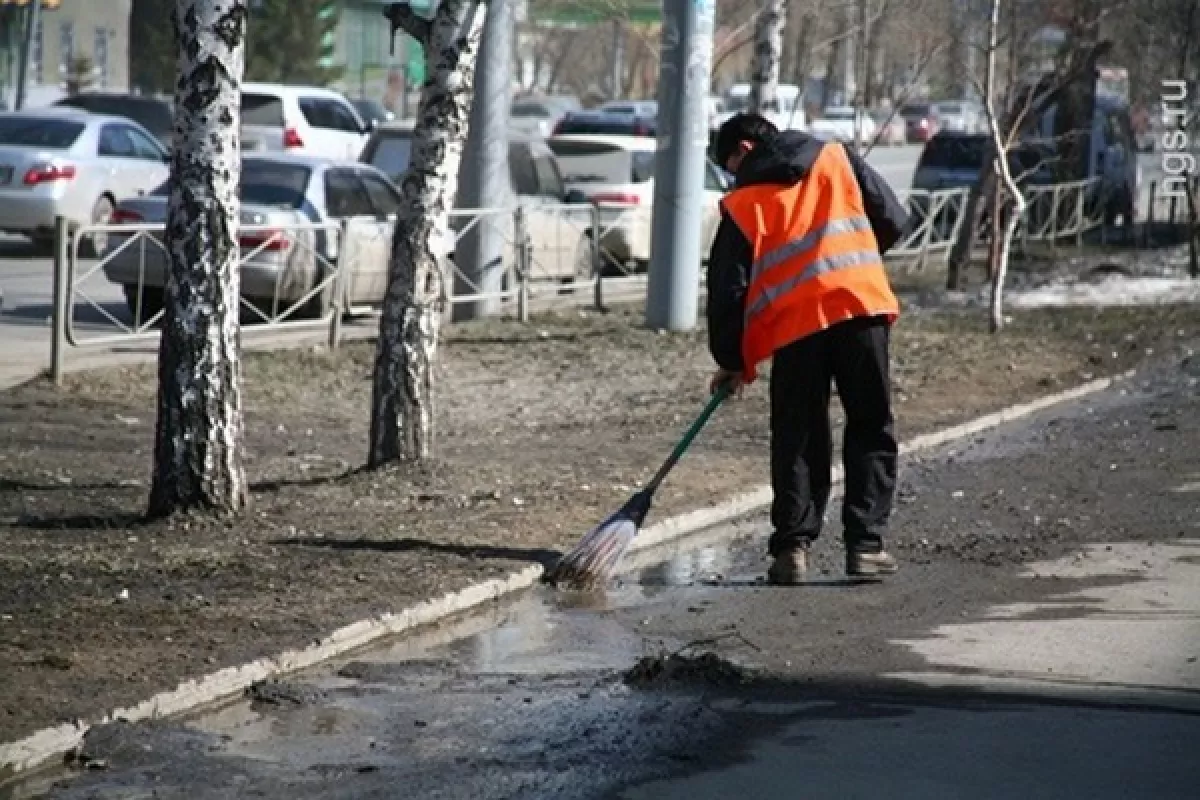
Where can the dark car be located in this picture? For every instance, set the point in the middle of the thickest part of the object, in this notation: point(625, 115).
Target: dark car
point(153, 114)
point(954, 161)
point(607, 123)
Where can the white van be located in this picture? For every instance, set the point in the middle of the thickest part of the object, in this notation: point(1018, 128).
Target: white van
point(301, 119)
point(789, 117)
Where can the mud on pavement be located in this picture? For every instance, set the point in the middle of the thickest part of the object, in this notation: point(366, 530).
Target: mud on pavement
point(739, 689)
point(543, 429)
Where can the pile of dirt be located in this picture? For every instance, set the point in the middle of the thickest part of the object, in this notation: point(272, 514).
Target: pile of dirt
point(543, 430)
point(673, 670)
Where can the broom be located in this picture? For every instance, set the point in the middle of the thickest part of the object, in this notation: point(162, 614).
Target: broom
point(596, 556)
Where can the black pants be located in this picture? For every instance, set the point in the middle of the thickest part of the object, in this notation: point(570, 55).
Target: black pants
point(854, 356)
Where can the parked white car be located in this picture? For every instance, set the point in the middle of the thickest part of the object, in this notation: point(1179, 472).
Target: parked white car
point(960, 117)
point(67, 162)
point(789, 117)
point(305, 120)
point(285, 257)
point(619, 171)
point(838, 123)
point(637, 108)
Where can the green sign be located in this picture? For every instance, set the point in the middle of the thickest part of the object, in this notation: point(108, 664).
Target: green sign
point(590, 12)
point(414, 66)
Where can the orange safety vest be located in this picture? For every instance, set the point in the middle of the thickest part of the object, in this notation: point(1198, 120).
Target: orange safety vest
point(816, 261)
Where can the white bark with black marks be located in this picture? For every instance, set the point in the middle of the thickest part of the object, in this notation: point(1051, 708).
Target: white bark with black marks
point(402, 407)
point(999, 269)
point(768, 57)
point(199, 433)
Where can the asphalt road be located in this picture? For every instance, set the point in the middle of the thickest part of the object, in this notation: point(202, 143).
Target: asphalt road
point(1040, 641)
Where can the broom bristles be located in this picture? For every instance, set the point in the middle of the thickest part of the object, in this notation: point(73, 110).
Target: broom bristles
point(595, 558)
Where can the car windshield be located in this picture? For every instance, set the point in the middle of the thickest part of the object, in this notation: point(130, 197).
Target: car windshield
point(262, 109)
point(391, 155)
point(269, 183)
point(607, 123)
point(266, 183)
point(53, 134)
point(949, 108)
point(954, 152)
point(597, 162)
point(839, 113)
point(370, 110)
point(914, 111)
point(152, 115)
point(527, 110)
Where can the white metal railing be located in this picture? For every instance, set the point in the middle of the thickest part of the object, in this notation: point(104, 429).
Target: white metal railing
point(310, 276)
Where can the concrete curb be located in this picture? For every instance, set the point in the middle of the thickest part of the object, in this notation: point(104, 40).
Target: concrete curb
point(43, 746)
point(35, 750)
point(759, 497)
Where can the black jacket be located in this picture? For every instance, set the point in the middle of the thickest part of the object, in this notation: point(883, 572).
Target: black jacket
point(785, 160)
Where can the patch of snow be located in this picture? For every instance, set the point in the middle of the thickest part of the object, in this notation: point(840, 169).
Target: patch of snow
point(1112, 292)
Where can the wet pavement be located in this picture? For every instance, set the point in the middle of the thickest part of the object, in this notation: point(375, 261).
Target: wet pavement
point(1041, 641)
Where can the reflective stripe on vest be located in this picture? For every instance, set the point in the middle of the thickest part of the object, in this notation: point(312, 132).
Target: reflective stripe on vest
point(798, 247)
point(815, 261)
point(770, 294)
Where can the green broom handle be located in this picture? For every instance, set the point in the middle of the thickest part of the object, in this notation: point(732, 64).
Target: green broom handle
point(723, 391)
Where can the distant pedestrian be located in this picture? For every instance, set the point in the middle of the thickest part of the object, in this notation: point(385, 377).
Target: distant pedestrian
point(796, 274)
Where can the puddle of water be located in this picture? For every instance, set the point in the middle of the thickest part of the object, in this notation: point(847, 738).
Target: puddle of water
point(544, 633)
point(899, 752)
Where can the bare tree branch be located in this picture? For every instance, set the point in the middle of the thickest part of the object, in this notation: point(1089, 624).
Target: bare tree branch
point(923, 64)
point(402, 17)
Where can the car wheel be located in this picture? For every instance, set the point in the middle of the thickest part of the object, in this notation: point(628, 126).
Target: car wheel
point(143, 304)
point(95, 245)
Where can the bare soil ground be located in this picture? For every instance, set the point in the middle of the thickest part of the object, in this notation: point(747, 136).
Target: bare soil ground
point(544, 428)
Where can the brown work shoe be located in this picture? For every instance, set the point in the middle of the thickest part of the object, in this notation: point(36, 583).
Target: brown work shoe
point(870, 565)
point(789, 567)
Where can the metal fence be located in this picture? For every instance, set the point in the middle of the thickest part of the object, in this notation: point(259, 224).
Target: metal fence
point(936, 218)
point(310, 277)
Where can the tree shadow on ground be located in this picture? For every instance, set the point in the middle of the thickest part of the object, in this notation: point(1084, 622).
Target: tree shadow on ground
point(13, 485)
point(116, 520)
point(547, 558)
point(327, 479)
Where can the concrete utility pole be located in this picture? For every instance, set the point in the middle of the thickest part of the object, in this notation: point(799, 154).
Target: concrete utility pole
point(684, 78)
point(617, 79)
point(484, 178)
point(31, 26)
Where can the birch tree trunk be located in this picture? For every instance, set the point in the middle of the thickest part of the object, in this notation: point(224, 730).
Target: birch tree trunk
point(999, 269)
point(402, 411)
point(768, 57)
point(199, 432)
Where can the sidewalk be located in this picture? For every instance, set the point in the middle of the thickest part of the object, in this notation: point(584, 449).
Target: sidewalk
point(1041, 619)
point(28, 356)
point(544, 429)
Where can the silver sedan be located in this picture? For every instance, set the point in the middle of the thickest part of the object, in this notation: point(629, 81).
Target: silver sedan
point(292, 208)
point(66, 162)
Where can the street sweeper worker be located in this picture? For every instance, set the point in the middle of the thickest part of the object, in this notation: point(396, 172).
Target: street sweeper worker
point(796, 275)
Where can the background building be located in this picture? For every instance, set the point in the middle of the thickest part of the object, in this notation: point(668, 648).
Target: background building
point(86, 41)
point(359, 51)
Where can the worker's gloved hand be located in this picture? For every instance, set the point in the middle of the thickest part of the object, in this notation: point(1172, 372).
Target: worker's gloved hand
point(732, 380)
